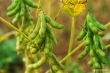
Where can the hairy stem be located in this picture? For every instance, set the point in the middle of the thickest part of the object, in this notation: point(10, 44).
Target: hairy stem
point(70, 44)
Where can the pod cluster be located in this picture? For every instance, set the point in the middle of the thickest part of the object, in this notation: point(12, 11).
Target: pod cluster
point(92, 33)
point(20, 8)
point(43, 37)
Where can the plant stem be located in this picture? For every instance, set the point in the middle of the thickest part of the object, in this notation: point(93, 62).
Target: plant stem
point(107, 24)
point(107, 46)
point(13, 27)
point(72, 52)
point(70, 44)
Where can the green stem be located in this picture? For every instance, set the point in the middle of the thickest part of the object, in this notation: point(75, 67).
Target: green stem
point(72, 52)
point(70, 44)
point(107, 46)
point(108, 24)
point(13, 27)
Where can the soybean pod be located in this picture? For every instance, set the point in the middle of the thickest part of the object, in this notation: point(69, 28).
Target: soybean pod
point(17, 18)
point(92, 27)
point(84, 53)
point(81, 35)
point(102, 46)
point(33, 49)
point(42, 31)
point(40, 63)
point(96, 23)
point(48, 47)
point(55, 68)
point(90, 63)
point(83, 32)
point(96, 40)
point(36, 30)
point(51, 35)
point(28, 15)
point(57, 62)
point(23, 8)
point(53, 23)
point(102, 59)
point(15, 10)
point(13, 5)
point(92, 53)
point(99, 52)
point(89, 37)
point(38, 40)
point(31, 3)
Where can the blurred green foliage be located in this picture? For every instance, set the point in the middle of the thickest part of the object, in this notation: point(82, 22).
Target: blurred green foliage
point(9, 60)
point(75, 67)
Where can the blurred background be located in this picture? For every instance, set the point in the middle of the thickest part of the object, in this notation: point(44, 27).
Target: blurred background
point(10, 62)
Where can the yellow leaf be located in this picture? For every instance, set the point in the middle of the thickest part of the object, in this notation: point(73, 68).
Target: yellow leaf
point(74, 7)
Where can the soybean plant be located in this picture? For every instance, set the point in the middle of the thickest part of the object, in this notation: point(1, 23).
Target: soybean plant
point(92, 33)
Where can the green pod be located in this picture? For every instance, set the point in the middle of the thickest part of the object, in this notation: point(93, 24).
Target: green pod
point(81, 35)
point(47, 52)
point(100, 33)
point(99, 52)
point(30, 67)
point(59, 71)
point(90, 63)
point(102, 46)
point(51, 62)
point(96, 23)
point(85, 25)
point(84, 53)
point(96, 65)
point(96, 39)
point(88, 41)
point(28, 70)
point(49, 71)
point(31, 3)
point(15, 10)
point(21, 39)
point(28, 15)
point(56, 25)
point(51, 35)
point(33, 49)
point(53, 23)
point(56, 61)
point(13, 5)
point(43, 26)
point(95, 59)
point(23, 26)
point(42, 47)
point(83, 32)
point(89, 37)
point(102, 59)
point(36, 30)
point(92, 53)
point(55, 68)
point(38, 40)
point(16, 18)
point(48, 46)
point(40, 63)
point(93, 27)
point(23, 8)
